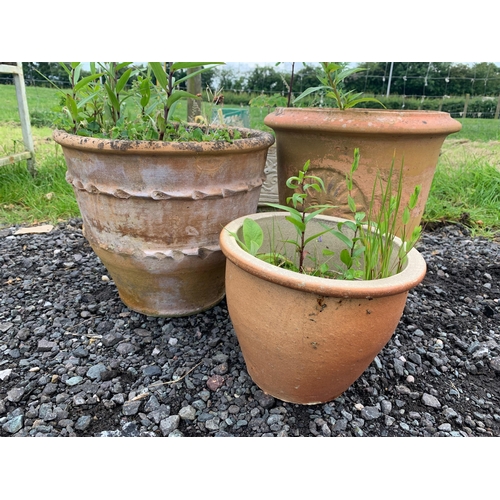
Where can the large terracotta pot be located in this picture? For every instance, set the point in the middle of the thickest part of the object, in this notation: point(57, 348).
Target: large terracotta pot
point(152, 211)
point(306, 339)
point(328, 138)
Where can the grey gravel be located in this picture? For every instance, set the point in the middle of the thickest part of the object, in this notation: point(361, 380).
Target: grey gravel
point(75, 361)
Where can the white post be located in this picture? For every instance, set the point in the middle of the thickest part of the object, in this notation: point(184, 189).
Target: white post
point(22, 105)
point(390, 78)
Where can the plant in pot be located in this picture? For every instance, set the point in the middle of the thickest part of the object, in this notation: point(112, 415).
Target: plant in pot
point(153, 193)
point(314, 298)
point(327, 136)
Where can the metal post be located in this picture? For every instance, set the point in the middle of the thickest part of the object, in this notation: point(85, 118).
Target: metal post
point(390, 78)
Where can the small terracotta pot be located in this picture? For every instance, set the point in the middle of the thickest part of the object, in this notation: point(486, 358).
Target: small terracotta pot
point(328, 138)
point(152, 212)
point(306, 339)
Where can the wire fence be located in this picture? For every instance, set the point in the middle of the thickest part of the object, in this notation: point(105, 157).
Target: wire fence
point(471, 106)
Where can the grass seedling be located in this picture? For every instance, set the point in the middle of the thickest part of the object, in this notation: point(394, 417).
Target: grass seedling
point(368, 238)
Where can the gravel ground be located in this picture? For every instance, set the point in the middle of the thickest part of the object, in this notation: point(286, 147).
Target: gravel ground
point(75, 361)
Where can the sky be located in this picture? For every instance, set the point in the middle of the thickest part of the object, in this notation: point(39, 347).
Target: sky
point(262, 31)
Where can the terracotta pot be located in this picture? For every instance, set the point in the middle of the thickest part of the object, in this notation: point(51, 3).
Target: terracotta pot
point(306, 339)
point(328, 138)
point(152, 212)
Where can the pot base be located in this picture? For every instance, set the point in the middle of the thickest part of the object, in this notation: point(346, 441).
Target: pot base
point(166, 286)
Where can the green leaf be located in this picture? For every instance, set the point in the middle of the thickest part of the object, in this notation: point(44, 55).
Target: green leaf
point(317, 235)
point(310, 90)
point(320, 210)
point(82, 102)
point(179, 94)
point(77, 70)
point(238, 240)
point(186, 65)
point(72, 107)
point(414, 197)
point(190, 75)
point(112, 97)
point(123, 80)
point(64, 67)
point(86, 80)
point(253, 235)
point(345, 257)
point(349, 224)
point(284, 207)
point(351, 203)
point(122, 65)
point(351, 104)
point(159, 73)
point(359, 216)
point(331, 67)
point(406, 216)
point(297, 223)
point(343, 238)
point(342, 75)
point(290, 182)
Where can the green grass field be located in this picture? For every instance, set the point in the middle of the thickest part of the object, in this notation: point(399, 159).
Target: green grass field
point(466, 187)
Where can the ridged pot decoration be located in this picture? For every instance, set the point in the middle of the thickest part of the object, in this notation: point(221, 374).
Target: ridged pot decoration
point(152, 211)
point(306, 339)
point(328, 138)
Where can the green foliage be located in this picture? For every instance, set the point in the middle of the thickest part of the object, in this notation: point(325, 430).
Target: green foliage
point(376, 238)
point(466, 191)
point(332, 76)
point(265, 78)
point(45, 197)
point(368, 238)
point(104, 102)
point(482, 130)
point(268, 101)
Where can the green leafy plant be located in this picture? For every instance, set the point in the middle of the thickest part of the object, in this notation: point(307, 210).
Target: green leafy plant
point(299, 216)
point(332, 77)
point(170, 93)
point(368, 238)
point(120, 101)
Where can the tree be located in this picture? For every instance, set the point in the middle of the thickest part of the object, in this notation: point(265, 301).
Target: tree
point(265, 79)
point(51, 70)
point(304, 78)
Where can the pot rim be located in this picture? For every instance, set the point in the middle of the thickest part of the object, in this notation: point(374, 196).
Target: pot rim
point(364, 120)
point(410, 277)
point(256, 140)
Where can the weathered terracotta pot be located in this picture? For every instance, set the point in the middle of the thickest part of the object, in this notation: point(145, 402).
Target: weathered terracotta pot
point(328, 138)
point(153, 211)
point(306, 339)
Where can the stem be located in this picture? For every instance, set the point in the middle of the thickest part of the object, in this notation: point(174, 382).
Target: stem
point(291, 86)
point(337, 94)
point(335, 90)
point(302, 245)
point(166, 109)
point(75, 123)
point(303, 233)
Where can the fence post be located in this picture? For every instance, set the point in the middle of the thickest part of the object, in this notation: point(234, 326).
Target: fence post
point(467, 96)
point(16, 70)
point(193, 87)
point(497, 112)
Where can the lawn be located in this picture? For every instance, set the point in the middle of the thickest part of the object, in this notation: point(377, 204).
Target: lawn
point(466, 187)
